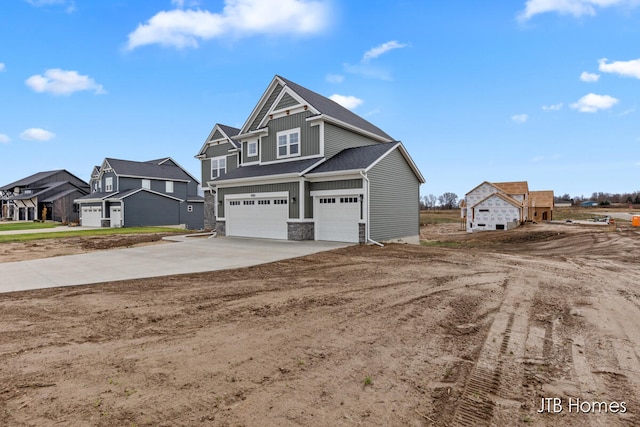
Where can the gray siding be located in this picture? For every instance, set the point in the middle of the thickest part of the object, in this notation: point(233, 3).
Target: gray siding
point(291, 187)
point(309, 136)
point(206, 171)
point(246, 158)
point(193, 220)
point(104, 181)
point(266, 106)
point(216, 135)
point(326, 185)
point(286, 101)
point(232, 163)
point(146, 209)
point(337, 139)
point(218, 150)
point(394, 197)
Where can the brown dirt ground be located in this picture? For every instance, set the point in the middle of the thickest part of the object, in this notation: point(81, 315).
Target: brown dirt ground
point(471, 332)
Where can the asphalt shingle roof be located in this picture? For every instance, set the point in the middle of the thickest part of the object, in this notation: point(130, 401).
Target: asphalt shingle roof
point(354, 158)
point(271, 169)
point(333, 109)
point(148, 169)
point(30, 179)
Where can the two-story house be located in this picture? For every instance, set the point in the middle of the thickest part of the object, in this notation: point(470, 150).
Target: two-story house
point(302, 167)
point(126, 193)
point(42, 196)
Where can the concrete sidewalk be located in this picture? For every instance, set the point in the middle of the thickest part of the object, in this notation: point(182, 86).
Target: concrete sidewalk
point(57, 229)
point(190, 256)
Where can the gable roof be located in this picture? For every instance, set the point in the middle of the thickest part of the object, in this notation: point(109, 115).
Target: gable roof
point(150, 169)
point(322, 106)
point(504, 197)
point(481, 184)
point(355, 158)
point(227, 132)
point(31, 179)
point(516, 187)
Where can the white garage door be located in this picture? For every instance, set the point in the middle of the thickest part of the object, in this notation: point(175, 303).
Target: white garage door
point(91, 216)
point(257, 217)
point(337, 218)
point(116, 216)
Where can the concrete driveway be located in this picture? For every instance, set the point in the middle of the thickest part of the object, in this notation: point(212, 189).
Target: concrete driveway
point(191, 255)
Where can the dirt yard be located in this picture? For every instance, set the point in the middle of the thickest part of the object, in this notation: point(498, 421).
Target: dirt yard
point(475, 330)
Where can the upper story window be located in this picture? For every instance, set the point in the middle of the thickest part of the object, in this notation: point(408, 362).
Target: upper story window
point(289, 143)
point(146, 183)
point(108, 183)
point(252, 148)
point(218, 166)
point(169, 186)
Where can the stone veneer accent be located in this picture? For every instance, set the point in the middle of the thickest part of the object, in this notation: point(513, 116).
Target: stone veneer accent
point(209, 211)
point(105, 223)
point(300, 231)
point(221, 228)
point(362, 233)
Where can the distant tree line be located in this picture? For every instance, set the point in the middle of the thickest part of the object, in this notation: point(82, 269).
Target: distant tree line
point(603, 198)
point(445, 201)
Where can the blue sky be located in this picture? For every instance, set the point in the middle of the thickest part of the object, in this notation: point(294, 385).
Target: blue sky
point(546, 91)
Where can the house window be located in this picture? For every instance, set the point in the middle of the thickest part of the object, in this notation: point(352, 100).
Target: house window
point(108, 183)
point(234, 203)
point(169, 187)
point(189, 208)
point(218, 166)
point(280, 202)
point(289, 143)
point(252, 149)
point(146, 183)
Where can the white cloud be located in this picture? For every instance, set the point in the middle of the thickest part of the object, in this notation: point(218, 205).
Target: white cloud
point(575, 8)
point(2, 66)
point(589, 77)
point(335, 78)
point(71, 4)
point(348, 101)
point(62, 82)
point(623, 68)
point(591, 103)
point(520, 118)
point(4, 138)
point(183, 28)
point(37, 134)
point(382, 49)
point(554, 107)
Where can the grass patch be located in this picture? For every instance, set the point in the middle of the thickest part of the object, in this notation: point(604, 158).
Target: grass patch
point(11, 226)
point(440, 216)
point(439, 244)
point(88, 233)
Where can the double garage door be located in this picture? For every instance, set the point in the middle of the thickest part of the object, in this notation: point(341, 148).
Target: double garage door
point(337, 217)
point(257, 217)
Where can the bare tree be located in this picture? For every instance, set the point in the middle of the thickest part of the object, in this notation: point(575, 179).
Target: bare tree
point(448, 200)
point(429, 201)
point(61, 210)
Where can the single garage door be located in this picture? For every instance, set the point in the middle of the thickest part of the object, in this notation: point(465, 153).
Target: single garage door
point(337, 218)
point(257, 217)
point(91, 216)
point(116, 216)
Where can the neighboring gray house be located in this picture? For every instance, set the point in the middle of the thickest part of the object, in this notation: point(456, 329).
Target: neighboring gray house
point(302, 167)
point(125, 193)
point(26, 199)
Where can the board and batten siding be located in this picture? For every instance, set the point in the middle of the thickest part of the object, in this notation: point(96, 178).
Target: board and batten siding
point(337, 139)
point(286, 101)
point(290, 187)
point(216, 135)
point(246, 157)
point(216, 150)
point(266, 107)
point(309, 136)
point(343, 184)
point(394, 199)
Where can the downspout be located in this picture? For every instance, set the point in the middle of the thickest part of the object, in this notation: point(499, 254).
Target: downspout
point(366, 224)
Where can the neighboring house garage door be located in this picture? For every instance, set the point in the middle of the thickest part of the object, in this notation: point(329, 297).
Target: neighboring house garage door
point(257, 217)
point(337, 218)
point(91, 216)
point(116, 216)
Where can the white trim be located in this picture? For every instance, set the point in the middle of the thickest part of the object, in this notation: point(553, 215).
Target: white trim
point(347, 192)
point(407, 158)
point(313, 166)
point(217, 159)
point(155, 178)
point(301, 197)
point(348, 127)
point(249, 144)
point(121, 198)
point(254, 162)
point(273, 194)
point(257, 133)
point(288, 133)
point(258, 180)
point(321, 176)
